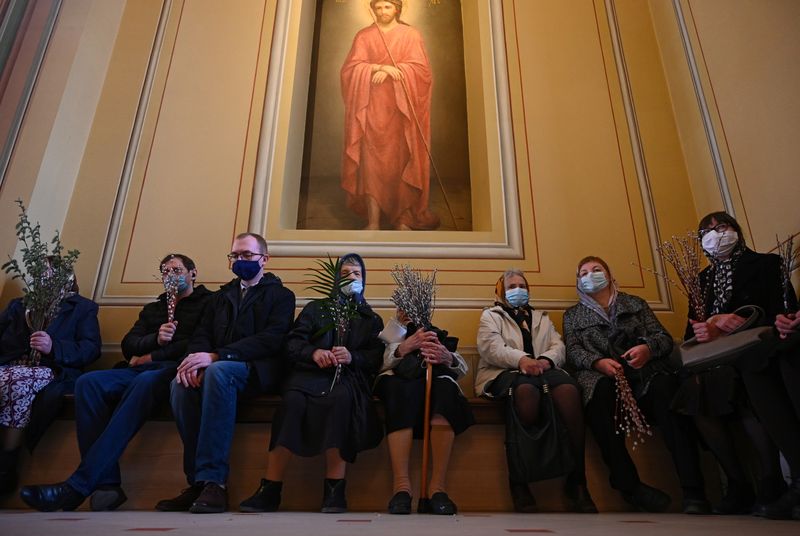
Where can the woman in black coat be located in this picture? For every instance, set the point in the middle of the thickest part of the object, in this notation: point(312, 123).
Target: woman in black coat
point(30, 397)
point(326, 405)
point(718, 399)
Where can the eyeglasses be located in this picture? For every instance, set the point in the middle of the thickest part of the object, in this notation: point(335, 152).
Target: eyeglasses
point(246, 255)
point(720, 228)
point(176, 271)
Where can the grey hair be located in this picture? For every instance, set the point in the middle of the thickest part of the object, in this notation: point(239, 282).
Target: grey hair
point(513, 271)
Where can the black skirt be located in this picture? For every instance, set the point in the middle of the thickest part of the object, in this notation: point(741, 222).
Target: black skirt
point(404, 401)
point(344, 418)
point(712, 393)
point(511, 378)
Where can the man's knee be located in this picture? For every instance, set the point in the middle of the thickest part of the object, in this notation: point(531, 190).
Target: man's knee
point(222, 372)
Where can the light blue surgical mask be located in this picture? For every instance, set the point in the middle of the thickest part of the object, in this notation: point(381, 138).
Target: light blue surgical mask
point(593, 282)
point(353, 287)
point(517, 297)
point(183, 284)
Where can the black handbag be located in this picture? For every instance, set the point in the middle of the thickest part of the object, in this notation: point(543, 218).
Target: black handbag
point(413, 365)
point(697, 356)
point(537, 453)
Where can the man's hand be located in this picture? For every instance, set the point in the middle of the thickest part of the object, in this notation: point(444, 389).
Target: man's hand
point(638, 356)
point(324, 358)
point(379, 77)
point(192, 365)
point(787, 324)
point(342, 355)
point(166, 332)
point(41, 342)
point(530, 366)
point(140, 360)
point(607, 366)
point(393, 71)
point(435, 352)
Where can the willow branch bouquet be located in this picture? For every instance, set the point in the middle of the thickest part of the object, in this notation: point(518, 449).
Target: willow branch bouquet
point(47, 275)
point(415, 294)
point(171, 281)
point(628, 417)
point(790, 261)
point(683, 253)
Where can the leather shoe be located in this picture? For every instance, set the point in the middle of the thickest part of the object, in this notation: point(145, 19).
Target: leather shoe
point(212, 500)
point(440, 504)
point(647, 499)
point(784, 507)
point(400, 503)
point(267, 498)
point(696, 507)
point(49, 498)
point(737, 500)
point(579, 499)
point(107, 498)
point(182, 502)
point(522, 498)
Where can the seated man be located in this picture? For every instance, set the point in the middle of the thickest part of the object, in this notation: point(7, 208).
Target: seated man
point(236, 348)
point(111, 405)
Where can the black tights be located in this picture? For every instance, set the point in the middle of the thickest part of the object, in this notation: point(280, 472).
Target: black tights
point(567, 401)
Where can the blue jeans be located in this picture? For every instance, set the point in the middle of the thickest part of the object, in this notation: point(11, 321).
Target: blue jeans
point(110, 407)
point(206, 417)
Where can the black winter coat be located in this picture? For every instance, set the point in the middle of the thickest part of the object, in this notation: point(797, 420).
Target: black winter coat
point(142, 339)
point(252, 331)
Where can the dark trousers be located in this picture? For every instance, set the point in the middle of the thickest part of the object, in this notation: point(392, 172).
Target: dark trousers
point(678, 431)
point(775, 396)
point(110, 407)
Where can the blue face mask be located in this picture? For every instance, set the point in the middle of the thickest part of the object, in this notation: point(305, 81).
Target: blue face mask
point(517, 297)
point(247, 270)
point(593, 282)
point(183, 284)
point(353, 287)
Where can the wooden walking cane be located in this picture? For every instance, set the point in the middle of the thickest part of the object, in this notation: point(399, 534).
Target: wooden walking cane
point(424, 505)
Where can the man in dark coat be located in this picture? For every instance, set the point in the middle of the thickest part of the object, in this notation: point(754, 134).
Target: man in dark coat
point(235, 349)
point(112, 405)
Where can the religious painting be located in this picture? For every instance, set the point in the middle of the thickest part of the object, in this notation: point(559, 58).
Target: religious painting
point(386, 142)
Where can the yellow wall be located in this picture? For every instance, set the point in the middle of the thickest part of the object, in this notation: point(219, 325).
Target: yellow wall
point(608, 149)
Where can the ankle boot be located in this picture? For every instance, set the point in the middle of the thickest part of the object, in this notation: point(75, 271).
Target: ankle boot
point(522, 497)
point(8, 470)
point(738, 499)
point(333, 497)
point(782, 508)
point(770, 490)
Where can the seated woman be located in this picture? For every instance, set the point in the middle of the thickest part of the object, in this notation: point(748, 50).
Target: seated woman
point(751, 392)
point(70, 342)
point(326, 407)
point(610, 331)
point(401, 387)
point(520, 348)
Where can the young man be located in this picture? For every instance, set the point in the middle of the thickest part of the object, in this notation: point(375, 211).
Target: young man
point(236, 348)
point(112, 405)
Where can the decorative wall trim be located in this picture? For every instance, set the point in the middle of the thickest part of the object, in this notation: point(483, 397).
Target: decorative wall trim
point(705, 115)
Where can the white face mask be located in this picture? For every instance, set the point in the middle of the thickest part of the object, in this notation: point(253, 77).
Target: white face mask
point(594, 282)
point(720, 245)
point(353, 287)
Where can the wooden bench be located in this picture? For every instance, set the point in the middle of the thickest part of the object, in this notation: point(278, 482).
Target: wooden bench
point(477, 479)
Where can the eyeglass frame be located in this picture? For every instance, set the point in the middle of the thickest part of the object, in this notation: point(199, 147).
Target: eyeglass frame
point(720, 228)
point(244, 255)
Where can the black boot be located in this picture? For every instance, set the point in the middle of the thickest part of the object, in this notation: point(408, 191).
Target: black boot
point(783, 507)
point(8, 471)
point(770, 490)
point(738, 499)
point(267, 498)
point(522, 497)
point(333, 498)
point(579, 499)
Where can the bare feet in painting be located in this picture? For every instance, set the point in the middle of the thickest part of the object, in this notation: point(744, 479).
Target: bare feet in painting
point(403, 227)
point(372, 227)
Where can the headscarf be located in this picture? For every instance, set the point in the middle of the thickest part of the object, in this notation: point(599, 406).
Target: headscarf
point(722, 282)
point(520, 315)
point(355, 258)
point(592, 304)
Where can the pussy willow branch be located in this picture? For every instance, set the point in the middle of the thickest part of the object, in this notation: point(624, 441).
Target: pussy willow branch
point(415, 294)
point(790, 258)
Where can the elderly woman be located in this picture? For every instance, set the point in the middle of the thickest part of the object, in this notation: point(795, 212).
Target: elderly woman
point(326, 407)
point(69, 343)
point(401, 387)
point(610, 332)
point(520, 348)
point(753, 392)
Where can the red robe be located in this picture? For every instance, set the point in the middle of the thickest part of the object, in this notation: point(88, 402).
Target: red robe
point(384, 154)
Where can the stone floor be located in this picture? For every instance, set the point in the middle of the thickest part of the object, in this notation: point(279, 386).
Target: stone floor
point(18, 523)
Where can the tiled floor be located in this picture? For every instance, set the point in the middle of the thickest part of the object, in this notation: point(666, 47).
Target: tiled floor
point(19, 523)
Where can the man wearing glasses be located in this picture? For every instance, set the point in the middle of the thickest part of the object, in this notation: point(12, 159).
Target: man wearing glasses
point(111, 405)
point(235, 349)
